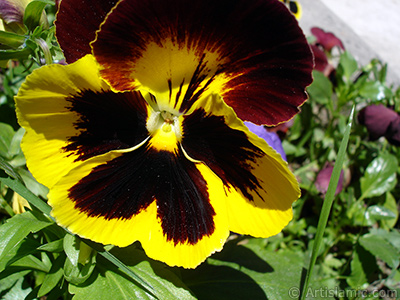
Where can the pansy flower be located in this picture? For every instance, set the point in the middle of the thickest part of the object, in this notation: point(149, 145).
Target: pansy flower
point(138, 138)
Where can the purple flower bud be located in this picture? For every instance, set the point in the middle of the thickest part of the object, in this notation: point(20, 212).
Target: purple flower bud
point(320, 59)
point(326, 39)
point(381, 121)
point(324, 177)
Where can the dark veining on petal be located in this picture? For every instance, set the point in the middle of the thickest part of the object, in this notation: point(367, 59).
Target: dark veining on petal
point(226, 151)
point(193, 92)
point(108, 121)
point(123, 187)
point(178, 94)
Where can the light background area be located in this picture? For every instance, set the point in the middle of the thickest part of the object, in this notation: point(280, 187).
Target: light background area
point(368, 28)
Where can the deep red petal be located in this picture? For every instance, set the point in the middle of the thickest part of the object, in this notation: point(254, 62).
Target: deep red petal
point(77, 23)
point(261, 53)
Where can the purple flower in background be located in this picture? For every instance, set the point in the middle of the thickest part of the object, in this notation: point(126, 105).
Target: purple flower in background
point(381, 121)
point(324, 177)
point(271, 138)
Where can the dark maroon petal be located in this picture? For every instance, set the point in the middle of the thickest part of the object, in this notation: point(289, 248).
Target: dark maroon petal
point(115, 190)
point(260, 53)
point(326, 39)
point(77, 23)
point(377, 119)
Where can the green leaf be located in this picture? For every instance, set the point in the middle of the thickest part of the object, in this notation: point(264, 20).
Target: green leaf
point(55, 246)
point(390, 204)
point(31, 262)
point(76, 250)
point(107, 279)
point(362, 265)
point(321, 88)
point(6, 136)
point(392, 236)
point(380, 176)
point(53, 277)
point(378, 213)
point(347, 65)
point(9, 279)
point(26, 247)
point(380, 247)
point(15, 144)
point(74, 271)
point(32, 184)
point(246, 272)
point(19, 290)
point(78, 274)
point(11, 39)
point(16, 229)
point(9, 169)
point(374, 90)
point(33, 13)
point(15, 54)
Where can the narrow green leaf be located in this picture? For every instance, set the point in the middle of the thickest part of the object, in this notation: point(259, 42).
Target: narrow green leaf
point(327, 205)
point(55, 246)
point(11, 39)
point(380, 176)
point(16, 229)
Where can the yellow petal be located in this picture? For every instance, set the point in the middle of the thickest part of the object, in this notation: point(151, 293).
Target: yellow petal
point(42, 110)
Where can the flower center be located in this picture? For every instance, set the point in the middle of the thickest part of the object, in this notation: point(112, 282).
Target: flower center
point(165, 130)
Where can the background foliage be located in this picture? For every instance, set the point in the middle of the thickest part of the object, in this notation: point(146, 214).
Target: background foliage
point(360, 246)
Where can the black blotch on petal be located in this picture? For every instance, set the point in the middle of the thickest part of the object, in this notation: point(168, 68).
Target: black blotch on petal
point(123, 187)
point(108, 121)
point(226, 151)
